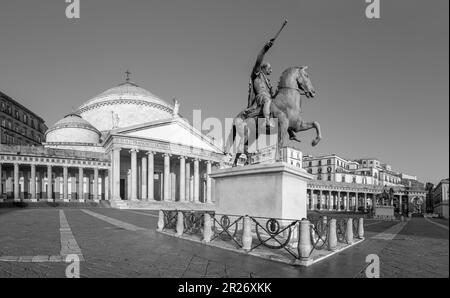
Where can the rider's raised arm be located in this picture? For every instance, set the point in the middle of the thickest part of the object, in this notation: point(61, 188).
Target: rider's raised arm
point(261, 54)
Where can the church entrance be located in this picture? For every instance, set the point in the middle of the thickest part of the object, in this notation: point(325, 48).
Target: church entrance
point(158, 185)
point(122, 189)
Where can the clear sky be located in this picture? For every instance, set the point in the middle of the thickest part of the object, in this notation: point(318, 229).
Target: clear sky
point(382, 85)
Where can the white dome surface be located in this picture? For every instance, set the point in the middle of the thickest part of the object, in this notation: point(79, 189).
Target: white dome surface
point(124, 105)
point(72, 129)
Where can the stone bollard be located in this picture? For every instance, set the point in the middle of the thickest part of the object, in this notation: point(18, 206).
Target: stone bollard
point(332, 235)
point(361, 228)
point(160, 221)
point(180, 224)
point(349, 232)
point(304, 243)
point(247, 234)
point(207, 232)
point(324, 226)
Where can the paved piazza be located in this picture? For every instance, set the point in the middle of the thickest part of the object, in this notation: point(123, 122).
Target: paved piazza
point(124, 243)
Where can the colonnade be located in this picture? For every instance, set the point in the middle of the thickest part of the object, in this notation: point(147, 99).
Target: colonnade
point(22, 181)
point(180, 175)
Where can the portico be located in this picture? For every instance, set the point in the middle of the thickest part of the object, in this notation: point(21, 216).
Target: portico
point(147, 168)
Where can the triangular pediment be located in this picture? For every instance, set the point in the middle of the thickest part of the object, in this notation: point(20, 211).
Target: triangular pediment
point(174, 131)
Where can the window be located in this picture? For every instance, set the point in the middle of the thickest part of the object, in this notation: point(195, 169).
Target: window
point(329, 169)
point(319, 177)
point(319, 170)
point(329, 177)
point(329, 162)
point(310, 163)
point(310, 171)
point(354, 179)
point(320, 163)
point(17, 115)
point(343, 178)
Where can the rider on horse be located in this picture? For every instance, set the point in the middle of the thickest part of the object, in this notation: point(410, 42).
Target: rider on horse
point(261, 91)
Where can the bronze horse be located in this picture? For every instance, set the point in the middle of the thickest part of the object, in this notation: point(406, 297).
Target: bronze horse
point(286, 108)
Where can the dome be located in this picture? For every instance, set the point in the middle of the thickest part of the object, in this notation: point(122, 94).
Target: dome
point(124, 105)
point(72, 129)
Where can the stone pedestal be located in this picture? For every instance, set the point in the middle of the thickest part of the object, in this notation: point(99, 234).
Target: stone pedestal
point(383, 212)
point(276, 190)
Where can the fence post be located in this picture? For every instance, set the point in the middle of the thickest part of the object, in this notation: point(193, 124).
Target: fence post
point(304, 243)
point(206, 228)
point(332, 235)
point(247, 234)
point(361, 228)
point(160, 221)
point(180, 224)
point(349, 232)
point(324, 226)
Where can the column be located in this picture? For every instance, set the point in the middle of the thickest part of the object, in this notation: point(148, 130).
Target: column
point(65, 183)
point(400, 204)
point(133, 174)
point(106, 175)
point(80, 185)
point(357, 202)
point(115, 179)
point(308, 199)
point(196, 180)
point(313, 201)
point(319, 199)
point(188, 181)
point(208, 182)
point(49, 182)
point(16, 182)
point(347, 201)
point(182, 178)
point(32, 182)
point(338, 203)
point(144, 169)
point(166, 196)
point(1, 188)
point(95, 185)
point(150, 175)
point(330, 200)
point(129, 184)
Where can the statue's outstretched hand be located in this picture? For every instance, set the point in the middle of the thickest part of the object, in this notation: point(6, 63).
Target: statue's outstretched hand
point(269, 44)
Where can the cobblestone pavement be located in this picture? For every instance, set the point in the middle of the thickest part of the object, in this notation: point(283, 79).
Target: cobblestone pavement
point(117, 243)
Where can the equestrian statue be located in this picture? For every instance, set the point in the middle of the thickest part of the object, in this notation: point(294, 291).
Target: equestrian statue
point(282, 105)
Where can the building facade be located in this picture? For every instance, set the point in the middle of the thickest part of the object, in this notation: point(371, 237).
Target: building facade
point(125, 145)
point(440, 198)
point(19, 125)
point(352, 185)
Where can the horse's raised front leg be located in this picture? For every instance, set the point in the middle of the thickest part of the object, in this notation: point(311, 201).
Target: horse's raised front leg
point(292, 135)
point(309, 125)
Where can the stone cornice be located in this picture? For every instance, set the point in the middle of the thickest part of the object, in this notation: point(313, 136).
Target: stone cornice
point(54, 161)
point(161, 147)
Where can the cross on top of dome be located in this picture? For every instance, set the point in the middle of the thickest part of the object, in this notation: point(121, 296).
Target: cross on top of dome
point(128, 79)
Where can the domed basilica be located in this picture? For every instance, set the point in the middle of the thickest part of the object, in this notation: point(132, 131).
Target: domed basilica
point(125, 145)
